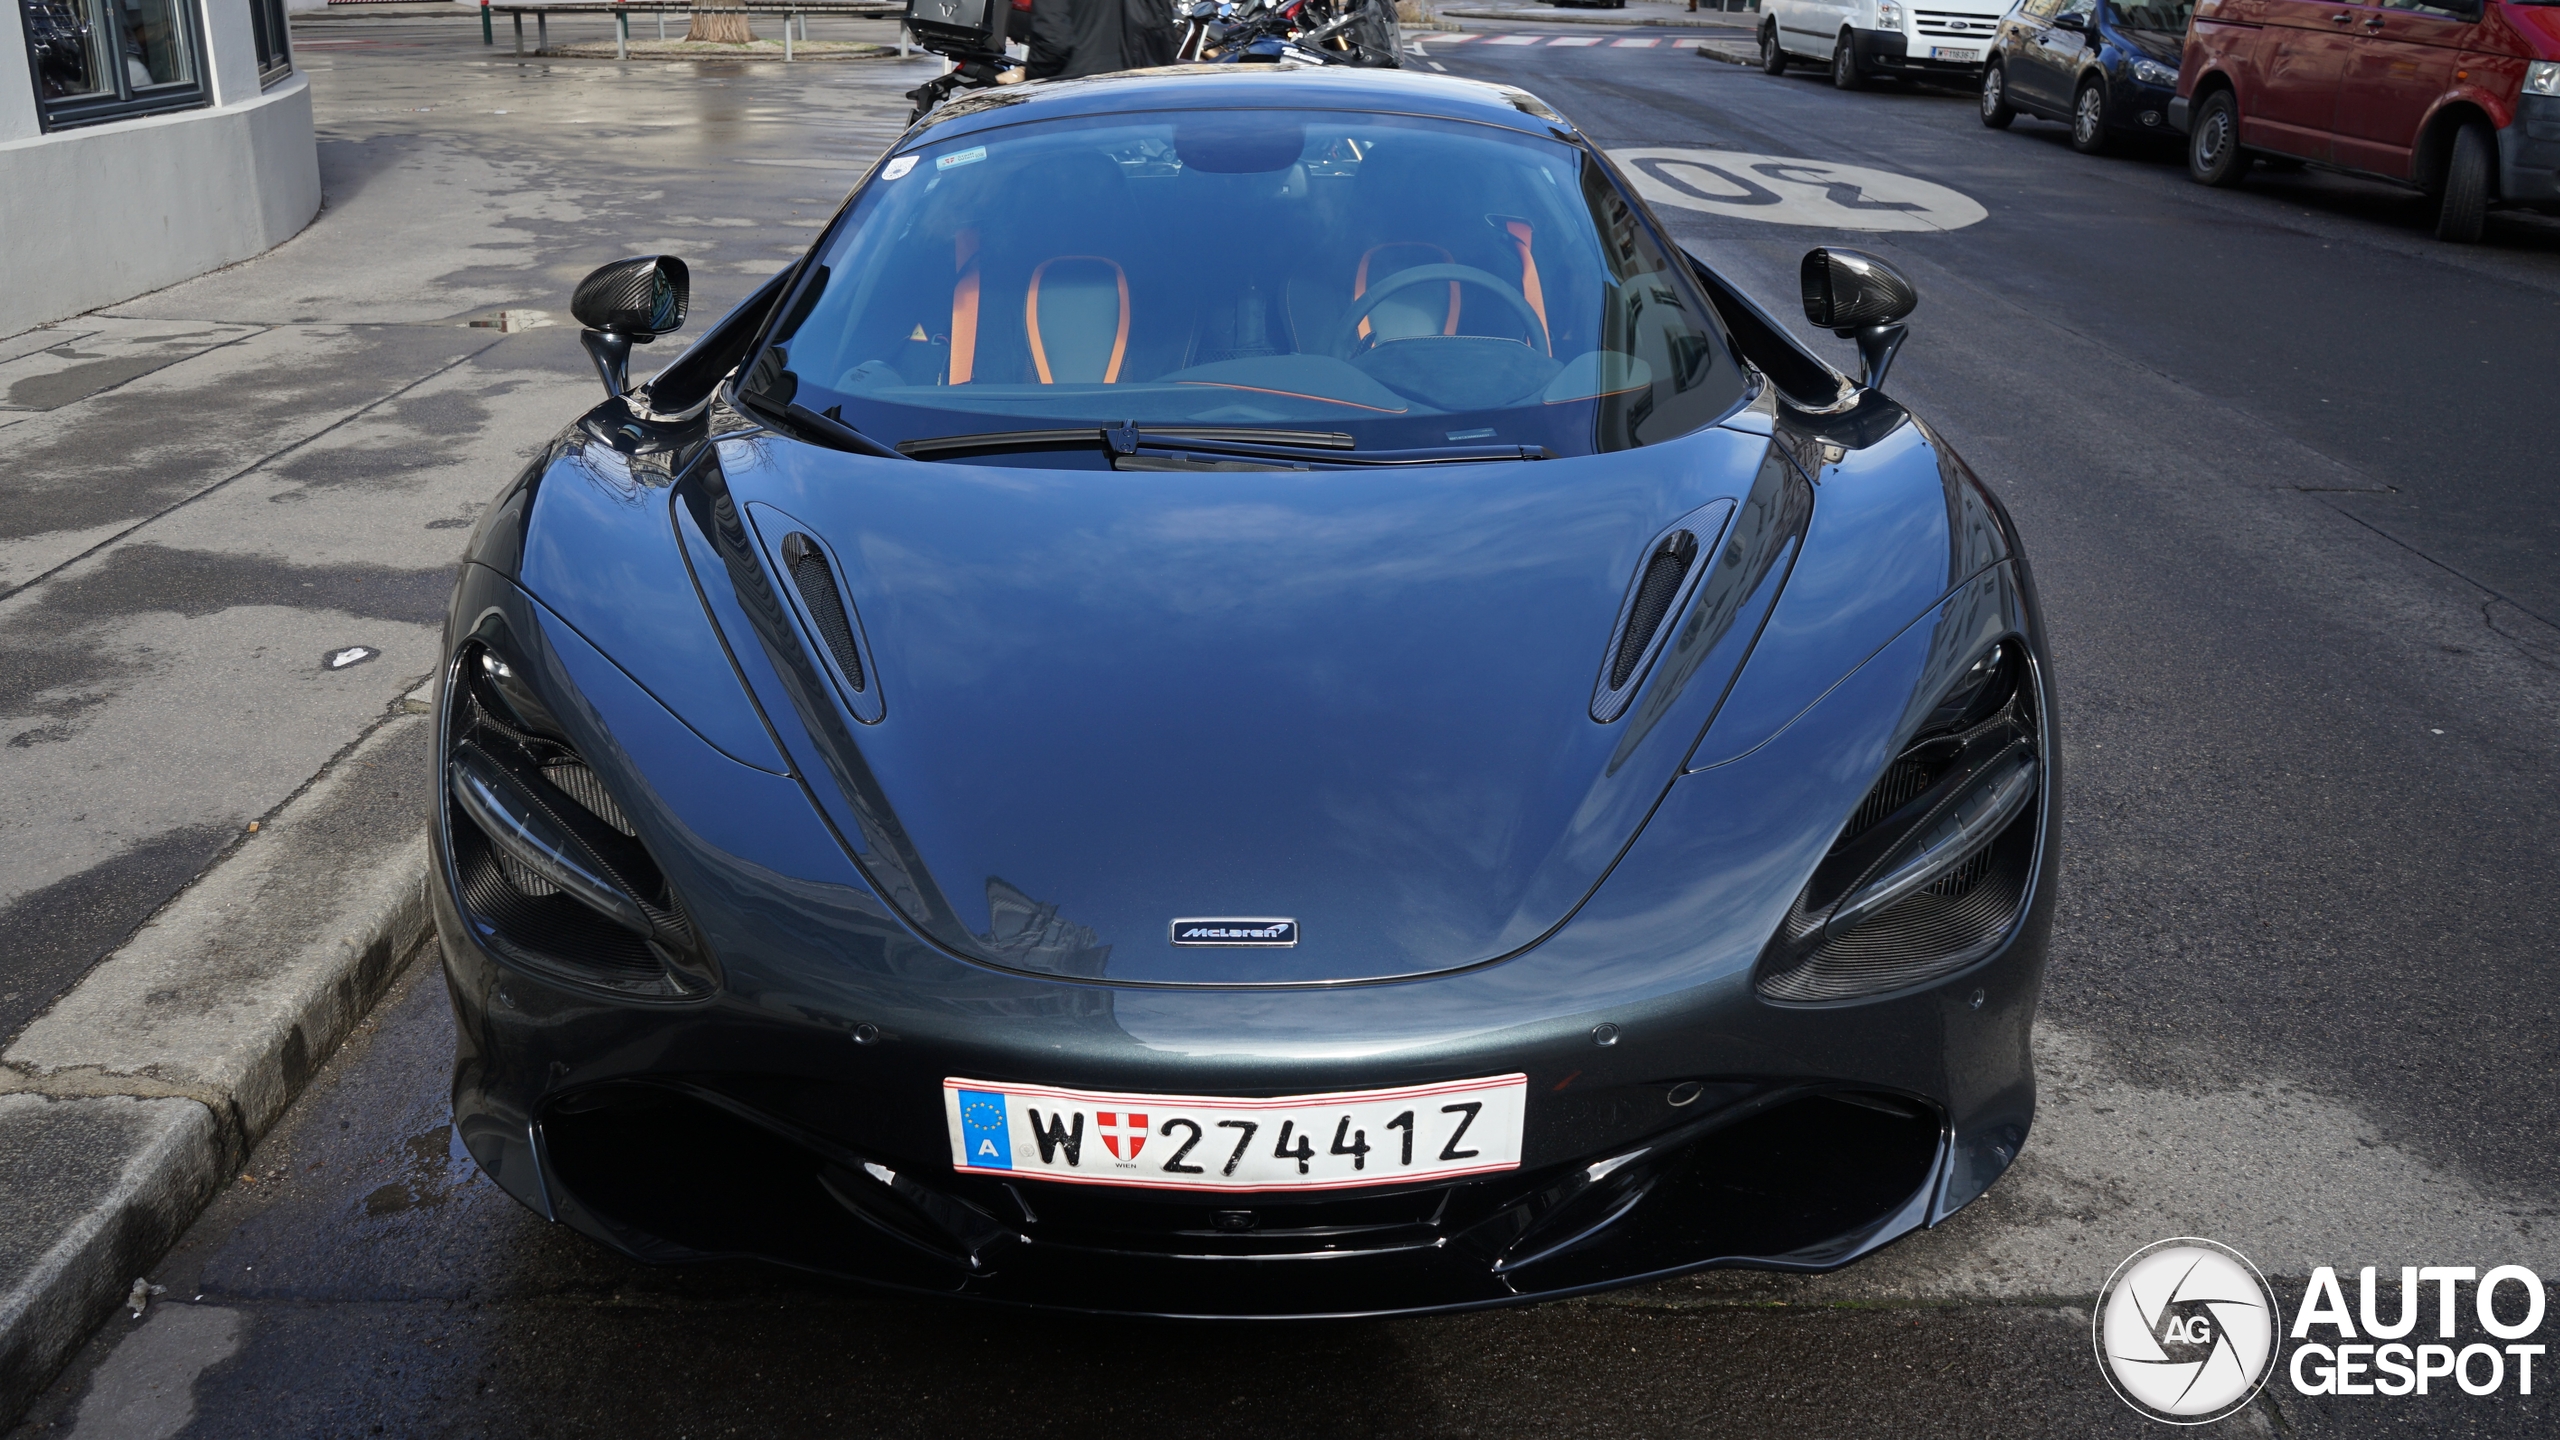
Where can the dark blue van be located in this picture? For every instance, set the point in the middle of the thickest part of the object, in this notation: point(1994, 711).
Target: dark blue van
point(2105, 68)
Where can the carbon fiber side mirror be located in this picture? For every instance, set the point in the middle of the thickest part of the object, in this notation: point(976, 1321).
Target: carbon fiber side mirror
point(627, 303)
point(1858, 297)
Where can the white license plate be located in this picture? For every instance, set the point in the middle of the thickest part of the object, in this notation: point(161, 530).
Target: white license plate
point(1950, 52)
point(1185, 1142)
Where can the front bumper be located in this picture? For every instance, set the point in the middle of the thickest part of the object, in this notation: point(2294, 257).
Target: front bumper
point(2529, 155)
point(1889, 52)
point(724, 1132)
point(2140, 108)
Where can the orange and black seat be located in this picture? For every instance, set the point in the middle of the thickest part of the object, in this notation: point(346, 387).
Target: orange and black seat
point(1065, 220)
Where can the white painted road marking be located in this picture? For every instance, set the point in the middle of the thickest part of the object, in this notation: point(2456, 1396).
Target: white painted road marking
point(1784, 190)
point(1551, 41)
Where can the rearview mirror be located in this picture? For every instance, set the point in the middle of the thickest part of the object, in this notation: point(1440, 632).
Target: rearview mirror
point(627, 303)
point(1859, 297)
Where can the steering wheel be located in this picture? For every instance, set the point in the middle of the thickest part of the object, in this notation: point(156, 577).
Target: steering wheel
point(1361, 308)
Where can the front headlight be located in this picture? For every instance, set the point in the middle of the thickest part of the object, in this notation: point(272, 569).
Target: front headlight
point(1888, 15)
point(549, 871)
point(1930, 874)
point(2542, 77)
point(2152, 72)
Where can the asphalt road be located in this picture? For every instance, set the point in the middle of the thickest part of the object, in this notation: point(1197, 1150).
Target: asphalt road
point(2271, 456)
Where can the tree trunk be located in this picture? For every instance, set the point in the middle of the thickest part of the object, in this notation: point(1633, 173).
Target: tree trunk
point(720, 29)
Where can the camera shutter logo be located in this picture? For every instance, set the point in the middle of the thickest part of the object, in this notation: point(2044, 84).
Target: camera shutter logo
point(2186, 1331)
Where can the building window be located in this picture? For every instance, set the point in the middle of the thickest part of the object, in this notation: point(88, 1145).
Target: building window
point(107, 59)
point(275, 40)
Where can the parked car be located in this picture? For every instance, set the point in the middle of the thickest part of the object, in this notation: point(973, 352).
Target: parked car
point(1236, 698)
point(1863, 40)
point(2105, 68)
point(2457, 98)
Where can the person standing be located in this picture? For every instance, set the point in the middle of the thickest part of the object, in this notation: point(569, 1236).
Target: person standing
point(1108, 35)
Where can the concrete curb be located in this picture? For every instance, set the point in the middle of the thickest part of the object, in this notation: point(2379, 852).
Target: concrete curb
point(124, 1105)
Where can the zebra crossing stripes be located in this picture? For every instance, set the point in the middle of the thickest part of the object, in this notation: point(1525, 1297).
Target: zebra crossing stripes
point(1551, 41)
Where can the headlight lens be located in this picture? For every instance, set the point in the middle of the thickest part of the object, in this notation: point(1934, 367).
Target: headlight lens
point(548, 869)
point(1888, 15)
point(1930, 874)
point(2542, 77)
point(2152, 72)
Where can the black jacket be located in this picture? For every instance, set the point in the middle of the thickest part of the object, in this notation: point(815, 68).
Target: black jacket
point(1108, 35)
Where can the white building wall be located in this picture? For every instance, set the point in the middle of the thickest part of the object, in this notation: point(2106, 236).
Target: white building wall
point(102, 213)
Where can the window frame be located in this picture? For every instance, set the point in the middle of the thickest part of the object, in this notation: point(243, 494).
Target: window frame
point(78, 111)
point(271, 17)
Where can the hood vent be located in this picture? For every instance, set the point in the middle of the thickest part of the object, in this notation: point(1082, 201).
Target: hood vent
point(816, 581)
point(1655, 599)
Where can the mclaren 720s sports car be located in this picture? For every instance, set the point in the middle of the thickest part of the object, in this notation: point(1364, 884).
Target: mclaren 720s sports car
point(1245, 695)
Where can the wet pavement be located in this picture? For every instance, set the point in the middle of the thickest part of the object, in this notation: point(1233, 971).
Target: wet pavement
point(206, 491)
point(2300, 999)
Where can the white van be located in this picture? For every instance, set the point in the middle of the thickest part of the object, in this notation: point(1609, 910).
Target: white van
point(1863, 40)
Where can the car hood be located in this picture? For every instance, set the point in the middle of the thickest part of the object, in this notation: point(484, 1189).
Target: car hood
point(2541, 27)
point(2152, 44)
point(1359, 700)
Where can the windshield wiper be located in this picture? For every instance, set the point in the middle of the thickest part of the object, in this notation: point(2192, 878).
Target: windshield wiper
point(1123, 439)
point(1134, 443)
point(803, 423)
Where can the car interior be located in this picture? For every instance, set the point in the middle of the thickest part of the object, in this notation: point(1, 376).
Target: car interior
point(1240, 267)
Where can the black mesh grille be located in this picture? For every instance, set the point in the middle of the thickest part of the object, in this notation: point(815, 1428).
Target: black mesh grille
point(1902, 783)
point(1662, 576)
point(1959, 882)
point(579, 783)
point(1958, 920)
point(816, 581)
point(551, 933)
point(522, 876)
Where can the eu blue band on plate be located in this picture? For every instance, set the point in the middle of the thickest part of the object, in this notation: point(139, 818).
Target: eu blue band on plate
point(985, 1134)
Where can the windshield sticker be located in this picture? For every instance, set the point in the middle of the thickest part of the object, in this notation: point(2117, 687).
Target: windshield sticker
point(898, 168)
point(970, 156)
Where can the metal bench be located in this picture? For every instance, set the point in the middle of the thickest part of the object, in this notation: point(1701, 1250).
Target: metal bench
point(793, 13)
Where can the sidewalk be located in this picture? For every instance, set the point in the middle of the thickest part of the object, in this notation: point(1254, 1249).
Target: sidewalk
point(215, 490)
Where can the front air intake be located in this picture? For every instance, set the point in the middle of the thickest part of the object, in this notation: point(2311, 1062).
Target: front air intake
point(1655, 598)
point(1662, 576)
point(1932, 872)
point(816, 582)
point(549, 871)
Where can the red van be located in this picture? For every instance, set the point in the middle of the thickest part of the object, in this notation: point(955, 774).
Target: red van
point(2459, 98)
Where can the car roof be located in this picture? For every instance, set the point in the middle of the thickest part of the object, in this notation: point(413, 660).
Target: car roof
point(1241, 86)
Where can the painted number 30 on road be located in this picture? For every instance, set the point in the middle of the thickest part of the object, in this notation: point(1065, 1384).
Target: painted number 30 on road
point(1783, 190)
point(1188, 1142)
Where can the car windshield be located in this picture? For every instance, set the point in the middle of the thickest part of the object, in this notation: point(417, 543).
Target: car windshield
point(1377, 283)
point(2167, 19)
